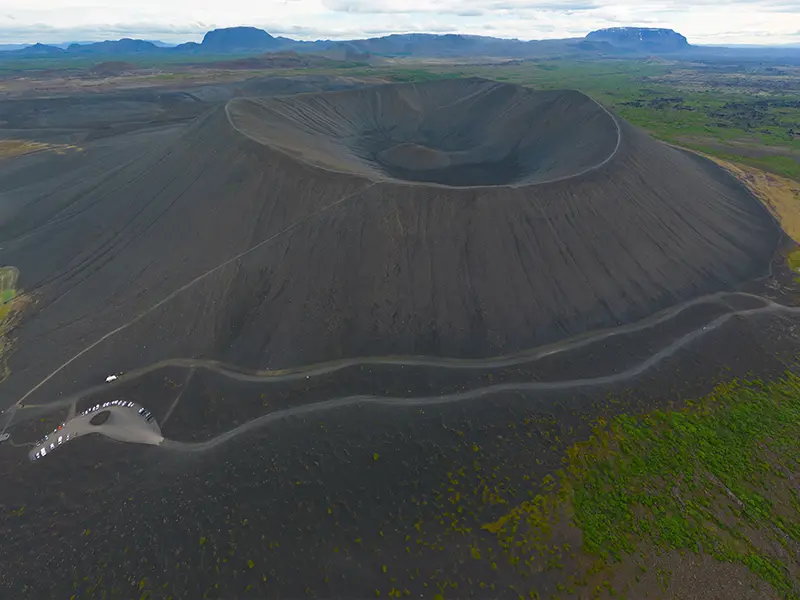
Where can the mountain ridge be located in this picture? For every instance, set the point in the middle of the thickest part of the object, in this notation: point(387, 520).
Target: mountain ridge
point(644, 38)
point(616, 42)
point(249, 40)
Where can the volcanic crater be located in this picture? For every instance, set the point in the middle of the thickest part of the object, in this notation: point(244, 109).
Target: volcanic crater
point(456, 218)
point(481, 136)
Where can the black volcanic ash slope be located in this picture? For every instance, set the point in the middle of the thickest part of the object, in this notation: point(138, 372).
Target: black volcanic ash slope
point(481, 135)
point(359, 248)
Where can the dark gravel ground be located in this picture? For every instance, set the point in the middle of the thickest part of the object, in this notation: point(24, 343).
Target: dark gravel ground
point(321, 503)
point(359, 501)
point(208, 403)
point(140, 232)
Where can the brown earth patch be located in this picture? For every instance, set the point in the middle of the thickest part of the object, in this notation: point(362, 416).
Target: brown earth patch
point(781, 195)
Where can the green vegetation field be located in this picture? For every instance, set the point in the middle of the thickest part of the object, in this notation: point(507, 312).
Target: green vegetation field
point(8, 283)
point(10, 303)
point(718, 477)
point(646, 496)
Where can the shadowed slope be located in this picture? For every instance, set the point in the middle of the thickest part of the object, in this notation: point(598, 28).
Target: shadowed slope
point(207, 243)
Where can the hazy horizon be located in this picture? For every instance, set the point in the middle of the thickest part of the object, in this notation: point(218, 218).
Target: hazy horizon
point(752, 22)
point(161, 42)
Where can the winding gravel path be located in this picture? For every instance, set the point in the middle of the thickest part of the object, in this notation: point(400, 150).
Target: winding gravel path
point(664, 353)
point(572, 384)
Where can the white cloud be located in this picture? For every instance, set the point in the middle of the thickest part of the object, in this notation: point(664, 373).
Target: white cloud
point(702, 21)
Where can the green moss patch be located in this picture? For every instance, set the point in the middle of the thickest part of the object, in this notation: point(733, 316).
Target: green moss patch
point(721, 478)
point(794, 260)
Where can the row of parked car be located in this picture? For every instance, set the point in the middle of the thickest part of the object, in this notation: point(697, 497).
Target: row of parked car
point(146, 414)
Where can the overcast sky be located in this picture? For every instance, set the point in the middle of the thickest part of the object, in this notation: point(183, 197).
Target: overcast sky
point(702, 21)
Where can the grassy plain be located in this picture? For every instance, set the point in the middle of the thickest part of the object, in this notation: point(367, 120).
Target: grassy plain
point(12, 147)
point(719, 478)
point(646, 507)
point(11, 302)
point(8, 284)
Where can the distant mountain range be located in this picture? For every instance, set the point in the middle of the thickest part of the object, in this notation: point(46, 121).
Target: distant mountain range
point(123, 46)
point(617, 41)
point(246, 40)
